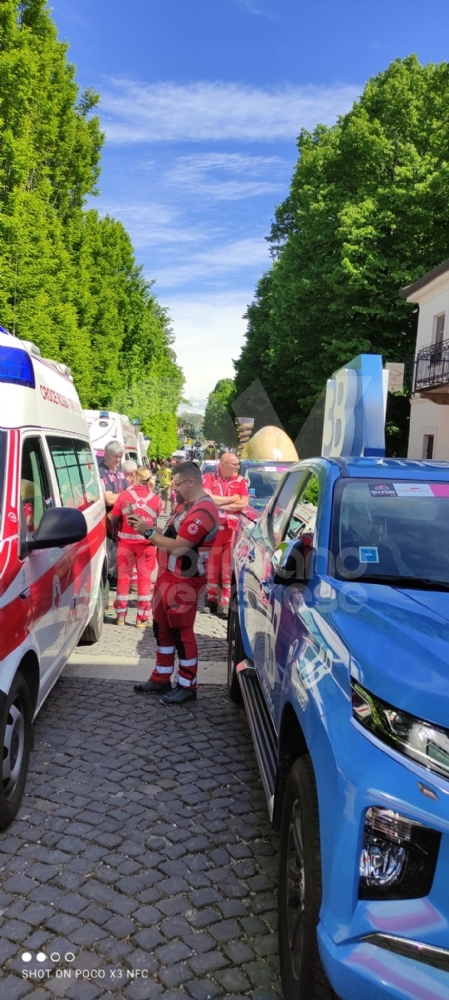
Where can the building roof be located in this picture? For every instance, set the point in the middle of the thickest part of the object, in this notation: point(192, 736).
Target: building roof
point(409, 290)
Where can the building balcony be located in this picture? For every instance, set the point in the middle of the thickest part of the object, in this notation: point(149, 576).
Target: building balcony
point(431, 376)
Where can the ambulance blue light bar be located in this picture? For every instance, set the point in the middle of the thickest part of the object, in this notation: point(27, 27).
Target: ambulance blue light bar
point(16, 366)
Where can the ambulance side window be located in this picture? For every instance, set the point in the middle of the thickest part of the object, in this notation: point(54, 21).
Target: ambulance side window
point(89, 471)
point(35, 491)
point(68, 473)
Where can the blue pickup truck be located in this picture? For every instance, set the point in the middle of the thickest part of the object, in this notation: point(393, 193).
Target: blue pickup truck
point(338, 646)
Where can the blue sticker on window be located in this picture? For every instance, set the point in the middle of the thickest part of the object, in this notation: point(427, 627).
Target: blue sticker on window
point(368, 554)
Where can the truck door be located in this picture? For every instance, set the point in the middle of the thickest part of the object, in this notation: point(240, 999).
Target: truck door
point(282, 626)
point(45, 567)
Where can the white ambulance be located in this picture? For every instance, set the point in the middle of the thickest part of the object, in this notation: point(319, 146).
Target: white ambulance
point(53, 565)
point(105, 426)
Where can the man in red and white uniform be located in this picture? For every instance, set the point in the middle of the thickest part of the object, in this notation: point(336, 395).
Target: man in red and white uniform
point(230, 494)
point(183, 551)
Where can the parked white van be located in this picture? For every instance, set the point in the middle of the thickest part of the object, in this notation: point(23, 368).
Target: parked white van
point(105, 426)
point(53, 565)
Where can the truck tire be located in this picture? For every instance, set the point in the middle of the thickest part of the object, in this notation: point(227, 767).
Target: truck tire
point(299, 894)
point(94, 628)
point(236, 654)
point(16, 739)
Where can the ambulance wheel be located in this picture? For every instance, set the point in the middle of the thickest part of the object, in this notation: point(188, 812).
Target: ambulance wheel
point(236, 654)
point(299, 892)
point(16, 739)
point(93, 630)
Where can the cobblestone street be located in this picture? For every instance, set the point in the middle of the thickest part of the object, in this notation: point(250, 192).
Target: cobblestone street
point(142, 854)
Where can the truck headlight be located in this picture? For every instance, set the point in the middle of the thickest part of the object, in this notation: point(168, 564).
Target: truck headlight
point(398, 857)
point(423, 742)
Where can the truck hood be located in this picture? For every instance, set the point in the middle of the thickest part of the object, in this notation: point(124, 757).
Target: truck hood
point(399, 644)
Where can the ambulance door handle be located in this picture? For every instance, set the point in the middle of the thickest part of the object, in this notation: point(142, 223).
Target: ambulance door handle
point(25, 594)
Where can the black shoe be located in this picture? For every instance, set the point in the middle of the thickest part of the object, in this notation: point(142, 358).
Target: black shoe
point(179, 694)
point(210, 608)
point(153, 687)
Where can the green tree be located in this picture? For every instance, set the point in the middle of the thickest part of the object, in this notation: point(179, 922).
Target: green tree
point(366, 214)
point(69, 280)
point(218, 419)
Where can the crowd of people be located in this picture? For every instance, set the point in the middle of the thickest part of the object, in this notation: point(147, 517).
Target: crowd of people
point(173, 563)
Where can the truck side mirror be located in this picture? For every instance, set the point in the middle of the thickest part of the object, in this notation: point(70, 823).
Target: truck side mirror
point(291, 561)
point(59, 526)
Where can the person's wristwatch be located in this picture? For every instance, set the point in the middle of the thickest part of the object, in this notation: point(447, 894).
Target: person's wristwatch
point(149, 533)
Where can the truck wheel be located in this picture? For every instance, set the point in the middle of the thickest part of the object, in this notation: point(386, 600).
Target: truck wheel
point(299, 896)
point(16, 739)
point(93, 630)
point(236, 654)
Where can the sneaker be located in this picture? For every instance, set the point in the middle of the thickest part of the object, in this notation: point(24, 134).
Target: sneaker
point(153, 687)
point(223, 611)
point(179, 694)
point(120, 621)
point(145, 624)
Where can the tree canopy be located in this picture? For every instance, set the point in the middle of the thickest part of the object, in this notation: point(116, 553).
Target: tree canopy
point(69, 280)
point(367, 213)
point(218, 419)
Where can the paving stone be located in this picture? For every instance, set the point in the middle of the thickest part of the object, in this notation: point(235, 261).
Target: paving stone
point(176, 951)
point(14, 930)
point(202, 897)
point(203, 989)
point(63, 923)
point(202, 918)
point(233, 980)
point(238, 952)
point(175, 975)
point(225, 930)
point(72, 903)
point(143, 989)
point(260, 973)
point(147, 915)
point(263, 993)
point(208, 962)
point(149, 939)
point(15, 987)
point(88, 933)
point(121, 927)
point(83, 990)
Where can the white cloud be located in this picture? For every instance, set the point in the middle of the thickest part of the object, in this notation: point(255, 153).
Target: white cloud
point(151, 224)
point(215, 262)
point(204, 111)
point(226, 176)
point(209, 332)
point(252, 7)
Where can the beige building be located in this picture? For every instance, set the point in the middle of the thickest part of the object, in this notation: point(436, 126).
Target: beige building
point(429, 414)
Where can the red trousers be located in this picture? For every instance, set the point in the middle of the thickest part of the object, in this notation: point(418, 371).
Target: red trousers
point(219, 568)
point(143, 558)
point(175, 604)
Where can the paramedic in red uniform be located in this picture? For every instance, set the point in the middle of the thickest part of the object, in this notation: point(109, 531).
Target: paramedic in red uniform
point(133, 549)
point(230, 493)
point(183, 551)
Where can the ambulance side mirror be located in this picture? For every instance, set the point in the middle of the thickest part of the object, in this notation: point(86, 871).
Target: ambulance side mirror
point(59, 526)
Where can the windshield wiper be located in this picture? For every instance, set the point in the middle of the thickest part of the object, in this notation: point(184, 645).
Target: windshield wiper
point(408, 582)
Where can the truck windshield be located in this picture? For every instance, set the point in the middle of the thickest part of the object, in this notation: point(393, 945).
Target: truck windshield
point(391, 532)
point(2, 467)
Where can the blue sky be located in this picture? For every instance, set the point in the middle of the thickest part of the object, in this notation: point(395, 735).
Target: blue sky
point(201, 102)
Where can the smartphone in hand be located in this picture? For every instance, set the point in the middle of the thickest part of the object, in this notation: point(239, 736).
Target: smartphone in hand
point(129, 508)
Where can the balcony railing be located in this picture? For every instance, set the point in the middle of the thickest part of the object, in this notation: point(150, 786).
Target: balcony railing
point(432, 367)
